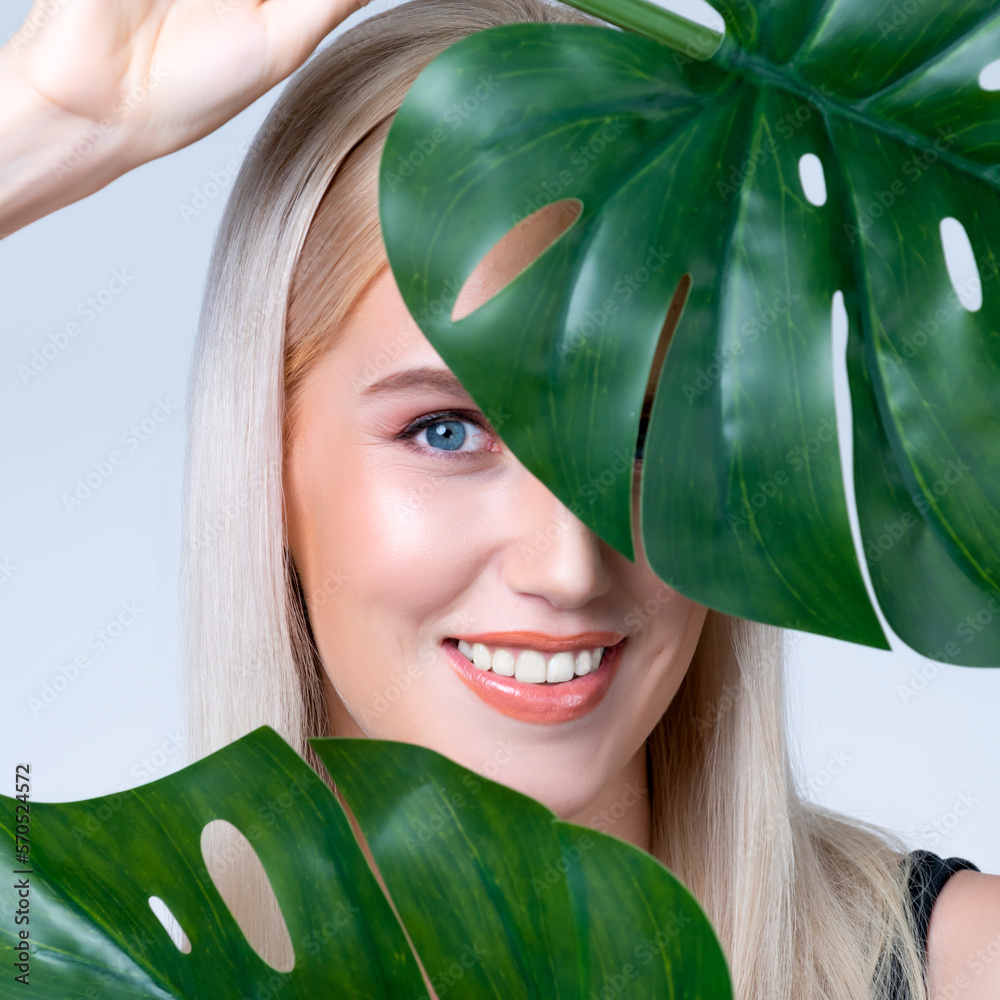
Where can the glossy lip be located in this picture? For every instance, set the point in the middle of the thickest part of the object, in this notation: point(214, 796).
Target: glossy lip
point(540, 703)
point(547, 643)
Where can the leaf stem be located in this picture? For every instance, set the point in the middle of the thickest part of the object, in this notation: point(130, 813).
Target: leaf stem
point(694, 40)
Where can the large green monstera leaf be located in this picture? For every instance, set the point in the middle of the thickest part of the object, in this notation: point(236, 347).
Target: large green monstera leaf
point(499, 897)
point(691, 162)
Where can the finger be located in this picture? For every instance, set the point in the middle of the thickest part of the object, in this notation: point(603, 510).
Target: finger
point(296, 27)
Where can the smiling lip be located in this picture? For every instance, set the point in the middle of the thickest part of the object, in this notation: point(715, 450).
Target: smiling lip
point(547, 643)
point(541, 703)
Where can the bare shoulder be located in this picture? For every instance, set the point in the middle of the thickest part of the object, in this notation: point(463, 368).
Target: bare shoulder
point(963, 939)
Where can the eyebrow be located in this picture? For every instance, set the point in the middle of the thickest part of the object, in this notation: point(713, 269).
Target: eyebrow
point(428, 379)
point(440, 380)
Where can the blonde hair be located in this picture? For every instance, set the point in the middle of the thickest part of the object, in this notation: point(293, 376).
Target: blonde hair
point(807, 904)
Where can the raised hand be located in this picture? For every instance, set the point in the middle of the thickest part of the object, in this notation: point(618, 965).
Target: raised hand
point(131, 80)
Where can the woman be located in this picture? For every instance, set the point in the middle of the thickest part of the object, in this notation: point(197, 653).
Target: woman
point(366, 558)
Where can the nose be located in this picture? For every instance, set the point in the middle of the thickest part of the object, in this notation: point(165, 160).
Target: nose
point(552, 553)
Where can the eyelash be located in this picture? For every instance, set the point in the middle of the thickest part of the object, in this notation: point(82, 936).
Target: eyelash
point(430, 419)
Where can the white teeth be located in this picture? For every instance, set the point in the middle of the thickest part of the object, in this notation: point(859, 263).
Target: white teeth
point(560, 668)
point(530, 665)
point(503, 663)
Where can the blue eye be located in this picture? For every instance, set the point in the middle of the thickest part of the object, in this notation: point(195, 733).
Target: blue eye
point(448, 431)
point(448, 435)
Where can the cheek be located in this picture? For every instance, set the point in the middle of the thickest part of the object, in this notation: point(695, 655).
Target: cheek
point(673, 626)
point(654, 610)
point(665, 627)
point(395, 536)
point(679, 630)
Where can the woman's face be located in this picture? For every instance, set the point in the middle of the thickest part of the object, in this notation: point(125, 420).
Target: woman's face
point(413, 528)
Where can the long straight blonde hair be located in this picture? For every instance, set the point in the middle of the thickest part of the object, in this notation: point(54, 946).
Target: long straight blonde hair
point(807, 904)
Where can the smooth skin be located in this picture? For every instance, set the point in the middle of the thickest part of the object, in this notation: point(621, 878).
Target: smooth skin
point(127, 81)
point(154, 76)
point(432, 543)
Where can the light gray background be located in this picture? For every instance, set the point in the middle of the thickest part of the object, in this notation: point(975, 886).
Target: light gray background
point(923, 765)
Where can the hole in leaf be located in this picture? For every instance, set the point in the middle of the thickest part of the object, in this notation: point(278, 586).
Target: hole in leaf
point(695, 10)
point(677, 304)
point(961, 264)
point(239, 876)
point(170, 924)
point(514, 253)
point(989, 78)
point(840, 334)
point(838, 325)
point(813, 179)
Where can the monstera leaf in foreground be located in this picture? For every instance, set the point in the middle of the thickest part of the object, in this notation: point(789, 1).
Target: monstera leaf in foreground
point(691, 163)
point(500, 898)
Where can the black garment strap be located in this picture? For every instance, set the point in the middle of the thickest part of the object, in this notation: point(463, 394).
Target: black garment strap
point(928, 874)
point(927, 878)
